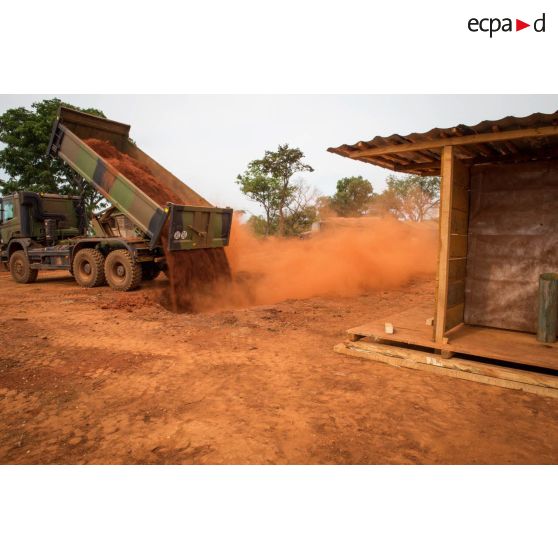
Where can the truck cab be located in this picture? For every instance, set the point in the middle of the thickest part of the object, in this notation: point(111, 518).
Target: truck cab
point(37, 227)
point(40, 217)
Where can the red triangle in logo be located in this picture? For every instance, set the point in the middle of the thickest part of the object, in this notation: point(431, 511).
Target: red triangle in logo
point(519, 25)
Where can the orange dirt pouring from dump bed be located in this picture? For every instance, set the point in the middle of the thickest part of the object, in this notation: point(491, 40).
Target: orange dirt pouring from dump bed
point(192, 273)
point(350, 257)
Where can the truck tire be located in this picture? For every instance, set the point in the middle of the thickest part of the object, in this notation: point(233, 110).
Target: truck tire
point(149, 271)
point(123, 273)
point(89, 268)
point(21, 269)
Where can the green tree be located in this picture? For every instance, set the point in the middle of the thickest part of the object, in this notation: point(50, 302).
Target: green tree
point(300, 221)
point(302, 210)
point(259, 225)
point(353, 196)
point(25, 134)
point(410, 197)
point(262, 188)
point(282, 165)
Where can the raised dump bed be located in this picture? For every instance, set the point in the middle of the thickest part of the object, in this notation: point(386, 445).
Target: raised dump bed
point(194, 224)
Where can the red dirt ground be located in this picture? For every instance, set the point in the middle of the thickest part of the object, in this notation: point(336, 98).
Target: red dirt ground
point(95, 376)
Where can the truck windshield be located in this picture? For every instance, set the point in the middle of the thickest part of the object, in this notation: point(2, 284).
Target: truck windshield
point(8, 210)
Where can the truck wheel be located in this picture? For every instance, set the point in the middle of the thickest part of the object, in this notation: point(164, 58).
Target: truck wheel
point(88, 268)
point(122, 272)
point(149, 271)
point(21, 269)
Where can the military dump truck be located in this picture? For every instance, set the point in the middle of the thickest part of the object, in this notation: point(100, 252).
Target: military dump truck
point(120, 246)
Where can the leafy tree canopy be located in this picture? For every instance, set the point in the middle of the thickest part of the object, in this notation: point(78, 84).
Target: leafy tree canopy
point(410, 197)
point(282, 165)
point(25, 134)
point(268, 181)
point(263, 188)
point(352, 197)
point(259, 225)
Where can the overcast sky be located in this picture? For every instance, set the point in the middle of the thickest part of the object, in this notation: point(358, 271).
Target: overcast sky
point(207, 140)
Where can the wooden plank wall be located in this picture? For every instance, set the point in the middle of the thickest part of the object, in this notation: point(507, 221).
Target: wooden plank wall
point(452, 257)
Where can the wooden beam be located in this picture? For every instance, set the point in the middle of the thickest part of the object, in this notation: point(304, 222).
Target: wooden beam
point(396, 159)
point(548, 307)
point(454, 315)
point(446, 187)
point(392, 162)
point(520, 157)
point(401, 159)
point(434, 165)
point(494, 375)
point(501, 371)
point(463, 130)
point(415, 158)
point(428, 155)
point(381, 162)
point(508, 144)
point(545, 131)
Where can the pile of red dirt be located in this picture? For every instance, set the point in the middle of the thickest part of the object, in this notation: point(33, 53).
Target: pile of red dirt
point(192, 273)
point(134, 171)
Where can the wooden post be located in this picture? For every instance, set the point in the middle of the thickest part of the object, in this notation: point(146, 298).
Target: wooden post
point(548, 307)
point(444, 241)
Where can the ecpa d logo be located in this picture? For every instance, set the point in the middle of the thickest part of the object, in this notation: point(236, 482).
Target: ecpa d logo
point(493, 25)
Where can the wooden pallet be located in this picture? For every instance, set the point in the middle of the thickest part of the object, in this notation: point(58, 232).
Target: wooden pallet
point(513, 347)
point(484, 373)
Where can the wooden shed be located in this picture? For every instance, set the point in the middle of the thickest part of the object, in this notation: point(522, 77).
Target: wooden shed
point(498, 231)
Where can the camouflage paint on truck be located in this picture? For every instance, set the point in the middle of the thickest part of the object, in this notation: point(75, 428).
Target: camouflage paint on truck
point(147, 215)
point(24, 221)
point(198, 227)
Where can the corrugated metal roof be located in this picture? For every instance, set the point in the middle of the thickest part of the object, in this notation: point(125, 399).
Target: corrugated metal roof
point(427, 161)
